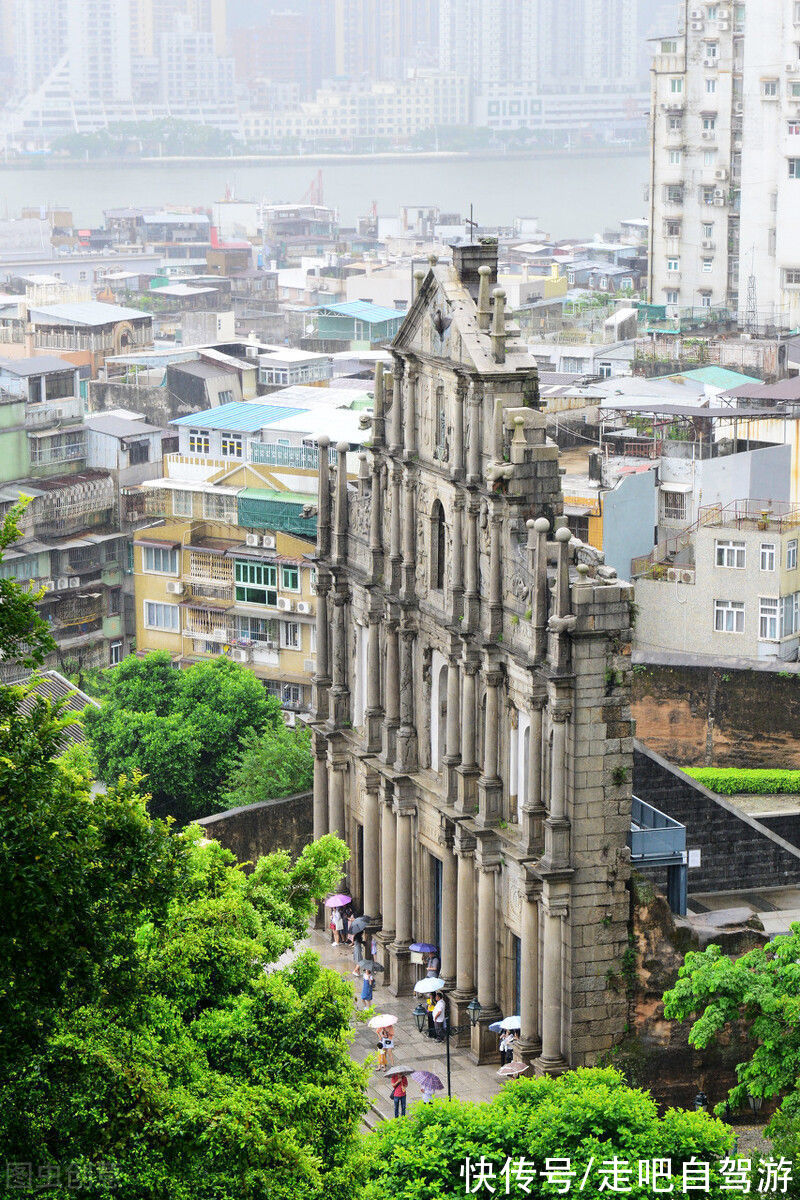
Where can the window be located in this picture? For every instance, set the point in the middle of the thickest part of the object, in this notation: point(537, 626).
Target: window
point(440, 432)
point(730, 554)
point(711, 87)
point(669, 47)
point(182, 504)
point(162, 616)
point(791, 277)
point(767, 556)
point(290, 635)
point(708, 265)
point(769, 88)
point(791, 554)
point(711, 50)
point(114, 654)
point(728, 616)
point(676, 86)
point(797, 12)
point(675, 124)
point(114, 602)
point(219, 508)
point(794, 89)
point(290, 579)
point(605, 371)
point(256, 583)
point(225, 397)
point(794, 168)
point(672, 229)
point(438, 545)
point(138, 452)
point(708, 231)
point(672, 297)
point(160, 561)
point(712, 12)
point(674, 506)
point(579, 527)
point(707, 195)
point(709, 158)
point(291, 695)
point(709, 124)
point(231, 446)
point(673, 264)
point(768, 619)
point(675, 157)
point(256, 629)
point(794, 129)
point(674, 193)
point(198, 442)
point(705, 299)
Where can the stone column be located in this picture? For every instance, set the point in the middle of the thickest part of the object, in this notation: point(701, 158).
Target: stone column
point(320, 785)
point(468, 770)
point(399, 983)
point(374, 712)
point(341, 518)
point(371, 850)
point(395, 527)
point(336, 818)
point(472, 577)
point(409, 538)
point(391, 718)
point(411, 412)
point(474, 472)
point(537, 549)
point(465, 928)
point(339, 707)
point(457, 469)
point(495, 572)
point(376, 521)
point(322, 677)
point(407, 734)
point(490, 786)
point(557, 826)
point(452, 755)
point(533, 810)
point(457, 571)
point(552, 1060)
point(396, 438)
point(530, 1042)
point(378, 422)
point(388, 865)
point(449, 946)
point(484, 1044)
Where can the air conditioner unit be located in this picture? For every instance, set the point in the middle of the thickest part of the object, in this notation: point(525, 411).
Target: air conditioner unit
point(673, 575)
point(271, 645)
point(791, 67)
point(686, 577)
point(284, 604)
point(723, 15)
point(708, 244)
point(290, 717)
point(709, 135)
point(268, 541)
point(697, 26)
point(721, 173)
point(240, 655)
point(74, 581)
point(710, 62)
point(303, 606)
point(697, 14)
point(49, 585)
point(174, 587)
point(719, 201)
point(252, 539)
point(63, 583)
point(724, 26)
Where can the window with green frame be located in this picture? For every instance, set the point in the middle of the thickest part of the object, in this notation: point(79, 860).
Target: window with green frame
point(290, 579)
point(256, 583)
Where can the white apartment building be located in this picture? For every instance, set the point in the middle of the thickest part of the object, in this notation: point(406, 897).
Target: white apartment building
point(725, 163)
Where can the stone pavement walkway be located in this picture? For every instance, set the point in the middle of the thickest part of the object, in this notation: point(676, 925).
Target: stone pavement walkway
point(469, 1082)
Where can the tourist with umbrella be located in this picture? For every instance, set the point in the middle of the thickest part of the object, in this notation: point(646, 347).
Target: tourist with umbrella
point(428, 1083)
point(398, 1076)
point(383, 1024)
point(439, 1017)
point(366, 989)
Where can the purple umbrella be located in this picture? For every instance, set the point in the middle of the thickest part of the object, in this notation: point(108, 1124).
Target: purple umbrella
point(423, 947)
point(428, 1081)
point(337, 901)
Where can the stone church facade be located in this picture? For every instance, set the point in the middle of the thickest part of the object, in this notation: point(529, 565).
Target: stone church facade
point(472, 731)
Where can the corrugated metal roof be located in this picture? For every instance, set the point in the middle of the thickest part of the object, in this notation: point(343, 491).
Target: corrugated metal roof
point(362, 310)
point(283, 497)
point(38, 364)
point(248, 417)
point(86, 312)
point(720, 377)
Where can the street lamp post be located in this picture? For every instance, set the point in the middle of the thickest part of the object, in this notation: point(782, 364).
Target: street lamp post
point(421, 1017)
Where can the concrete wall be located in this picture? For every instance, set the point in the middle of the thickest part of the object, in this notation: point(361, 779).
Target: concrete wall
point(259, 829)
point(736, 853)
point(718, 715)
point(629, 518)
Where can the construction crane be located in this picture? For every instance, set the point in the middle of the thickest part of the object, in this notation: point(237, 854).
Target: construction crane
point(314, 193)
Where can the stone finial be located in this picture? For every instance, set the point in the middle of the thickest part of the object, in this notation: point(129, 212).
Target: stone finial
point(419, 279)
point(563, 534)
point(433, 259)
point(499, 326)
point(484, 307)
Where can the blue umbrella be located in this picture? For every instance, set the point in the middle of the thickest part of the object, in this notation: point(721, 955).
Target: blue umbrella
point(423, 947)
point(496, 1027)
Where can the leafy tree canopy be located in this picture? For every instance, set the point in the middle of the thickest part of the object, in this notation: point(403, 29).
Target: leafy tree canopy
point(582, 1116)
point(182, 729)
point(24, 636)
point(272, 764)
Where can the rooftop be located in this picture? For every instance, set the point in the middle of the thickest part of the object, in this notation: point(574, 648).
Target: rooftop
point(718, 377)
point(85, 312)
point(247, 417)
point(120, 427)
point(361, 310)
point(786, 389)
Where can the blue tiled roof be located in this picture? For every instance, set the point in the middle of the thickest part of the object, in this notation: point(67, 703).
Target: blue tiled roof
point(249, 418)
point(362, 310)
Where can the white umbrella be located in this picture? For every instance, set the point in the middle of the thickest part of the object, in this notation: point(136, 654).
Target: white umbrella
point(429, 985)
point(381, 1020)
point(510, 1023)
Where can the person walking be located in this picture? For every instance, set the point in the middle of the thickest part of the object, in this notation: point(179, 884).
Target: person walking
point(358, 951)
point(399, 1089)
point(388, 1044)
point(432, 965)
point(366, 989)
point(439, 1017)
point(381, 1050)
point(338, 923)
point(334, 915)
point(506, 1047)
point(427, 1093)
point(430, 1005)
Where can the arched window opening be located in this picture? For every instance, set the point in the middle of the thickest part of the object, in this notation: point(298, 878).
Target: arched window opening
point(438, 546)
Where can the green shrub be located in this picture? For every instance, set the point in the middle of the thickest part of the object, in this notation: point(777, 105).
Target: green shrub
point(728, 781)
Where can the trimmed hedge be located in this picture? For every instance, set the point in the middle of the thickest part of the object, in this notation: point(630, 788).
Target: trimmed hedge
point(728, 781)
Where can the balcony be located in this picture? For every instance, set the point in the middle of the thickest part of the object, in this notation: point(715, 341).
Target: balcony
point(657, 840)
point(48, 455)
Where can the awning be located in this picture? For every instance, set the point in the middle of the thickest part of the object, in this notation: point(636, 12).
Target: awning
point(152, 542)
point(202, 605)
point(207, 550)
point(577, 510)
point(676, 487)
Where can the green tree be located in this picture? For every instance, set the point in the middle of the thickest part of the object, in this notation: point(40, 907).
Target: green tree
point(760, 989)
point(270, 765)
point(24, 637)
point(181, 729)
point(586, 1116)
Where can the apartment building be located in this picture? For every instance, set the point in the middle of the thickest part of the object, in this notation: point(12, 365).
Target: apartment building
point(733, 593)
point(725, 163)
